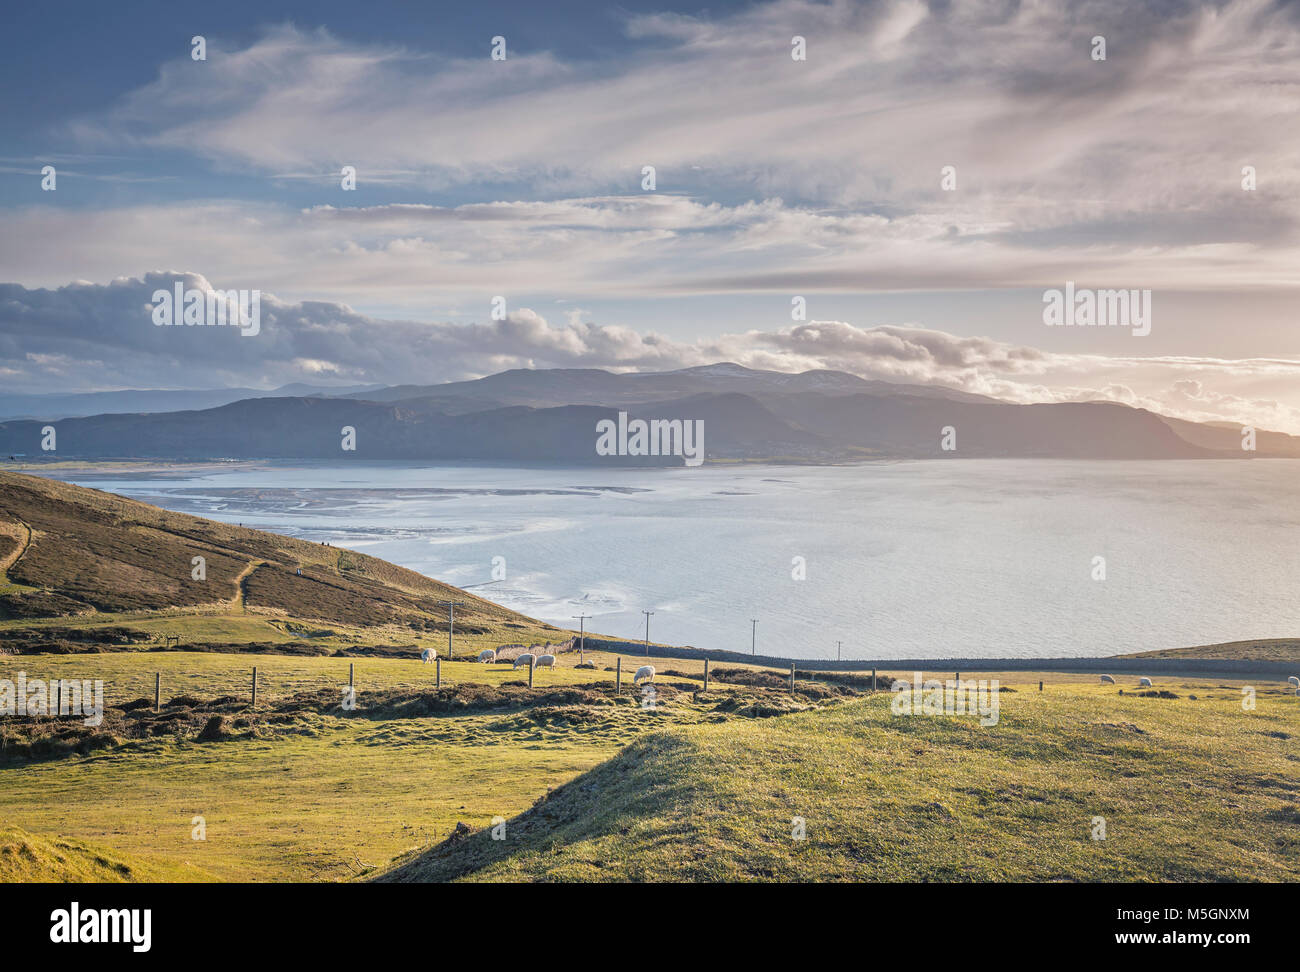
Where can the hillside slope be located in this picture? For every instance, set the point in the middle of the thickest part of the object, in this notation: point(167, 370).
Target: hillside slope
point(31, 858)
point(1263, 649)
point(1191, 788)
point(67, 550)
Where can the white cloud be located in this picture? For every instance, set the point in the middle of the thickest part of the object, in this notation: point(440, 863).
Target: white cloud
point(80, 334)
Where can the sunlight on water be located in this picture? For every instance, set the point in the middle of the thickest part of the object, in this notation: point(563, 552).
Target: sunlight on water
point(902, 559)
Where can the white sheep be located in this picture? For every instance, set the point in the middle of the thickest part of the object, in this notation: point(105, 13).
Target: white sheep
point(527, 658)
point(428, 656)
point(1107, 680)
point(487, 656)
point(1144, 682)
point(1293, 681)
point(546, 661)
point(646, 672)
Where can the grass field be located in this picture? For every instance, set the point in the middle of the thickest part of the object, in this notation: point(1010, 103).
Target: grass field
point(1190, 788)
point(326, 802)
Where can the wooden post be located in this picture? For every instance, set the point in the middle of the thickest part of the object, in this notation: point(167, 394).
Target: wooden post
point(254, 705)
point(437, 673)
point(157, 689)
point(58, 695)
point(618, 675)
point(959, 679)
point(1040, 686)
point(351, 667)
point(532, 663)
point(792, 675)
point(706, 674)
point(873, 680)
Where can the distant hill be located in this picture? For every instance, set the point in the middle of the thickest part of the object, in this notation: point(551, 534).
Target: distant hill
point(69, 551)
point(545, 387)
point(57, 406)
point(1228, 437)
point(550, 416)
point(1264, 649)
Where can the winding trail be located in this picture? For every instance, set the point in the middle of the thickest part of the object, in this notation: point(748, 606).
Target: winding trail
point(12, 560)
point(240, 600)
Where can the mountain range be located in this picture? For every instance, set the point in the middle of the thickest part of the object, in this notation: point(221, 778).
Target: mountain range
point(551, 415)
point(57, 406)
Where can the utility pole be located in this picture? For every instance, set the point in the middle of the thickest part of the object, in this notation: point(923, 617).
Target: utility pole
point(582, 637)
point(837, 650)
point(753, 636)
point(451, 624)
point(647, 631)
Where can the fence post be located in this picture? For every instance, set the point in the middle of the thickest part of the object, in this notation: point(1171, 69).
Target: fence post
point(873, 680)
point(58, 694)
point(1040, 686)
point(706, 674)
point(618, 675)
point(532, 663)
point(437, 673)
point(254, 687)
point(350, 674)
point(157, 689)
point(959, 679)
point(792, 675)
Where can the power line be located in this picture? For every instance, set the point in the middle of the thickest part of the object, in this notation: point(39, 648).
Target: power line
point(582, 636)
point(451, 624)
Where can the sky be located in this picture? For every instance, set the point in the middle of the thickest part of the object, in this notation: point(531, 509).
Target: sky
point(775, 178)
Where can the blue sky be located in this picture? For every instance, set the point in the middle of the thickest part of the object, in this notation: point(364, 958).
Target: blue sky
point(775, 178)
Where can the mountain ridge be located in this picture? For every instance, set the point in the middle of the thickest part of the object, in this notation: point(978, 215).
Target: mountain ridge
point(551, 416)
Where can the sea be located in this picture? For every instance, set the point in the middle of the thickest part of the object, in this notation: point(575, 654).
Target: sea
point(878, 560)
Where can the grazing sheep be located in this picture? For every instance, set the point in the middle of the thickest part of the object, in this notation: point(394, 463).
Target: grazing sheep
point(527, 658)
point(546, 661)
point(1107, 680)
point(487, 656)
point(1293, 681)
point(646, 672)
point(428, 656)
point(1144, 682)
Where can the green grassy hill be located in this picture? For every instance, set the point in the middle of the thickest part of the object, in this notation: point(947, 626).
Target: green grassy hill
point(32, 858)
point(1191, 788)
point(1264, 649)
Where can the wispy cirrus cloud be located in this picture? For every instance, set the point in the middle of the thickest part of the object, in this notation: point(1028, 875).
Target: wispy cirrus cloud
point(583, 247)
point(1044, 137)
